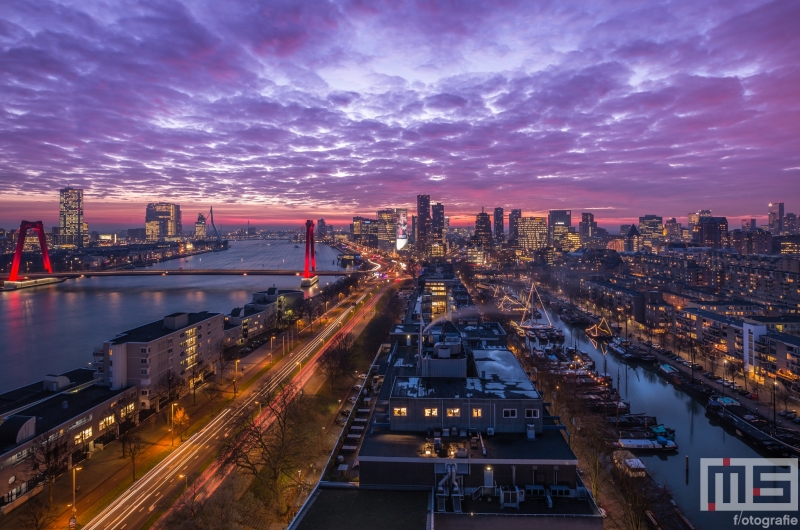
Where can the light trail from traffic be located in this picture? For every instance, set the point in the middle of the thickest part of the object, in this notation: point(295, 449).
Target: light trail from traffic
point(147, 491)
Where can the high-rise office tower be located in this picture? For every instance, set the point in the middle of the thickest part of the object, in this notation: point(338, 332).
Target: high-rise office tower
point(587, 227)
point(651, 228)
point(200, 227)
point(387, 229)
point(790, 224)
point(499, 225)
point(423, 222)
point(776, 218)
point(711, 232)
point(673, 229)
point(559, 221)
point(483, 230)
point(749, 225)
point(322, 229)
point(70, 219)
point(162, 220)
point(437, 223)
point(513, 220)
point(532, 232)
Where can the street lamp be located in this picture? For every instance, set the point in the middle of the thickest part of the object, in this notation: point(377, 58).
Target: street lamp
point(259, 407)
point(235, 374)
point(185, 481)
point(774, 417)
point(724, 369)
point(172, 422)
point(73, 522)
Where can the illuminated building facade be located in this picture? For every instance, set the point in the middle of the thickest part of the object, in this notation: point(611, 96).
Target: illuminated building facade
point(71, 228)
point(162, 221)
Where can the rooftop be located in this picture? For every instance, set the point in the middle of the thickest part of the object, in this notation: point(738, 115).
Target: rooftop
point(29, 394)
point(346, 509)
point(549, 445)
point(50, 413)
point(156, 330)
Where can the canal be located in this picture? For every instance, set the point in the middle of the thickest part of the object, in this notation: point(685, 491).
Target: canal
point(696, 437)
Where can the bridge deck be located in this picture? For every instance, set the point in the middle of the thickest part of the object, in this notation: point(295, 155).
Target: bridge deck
point(185, 272)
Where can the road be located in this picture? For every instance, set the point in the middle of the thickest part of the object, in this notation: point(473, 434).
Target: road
point(135, 506)
point(181, 272)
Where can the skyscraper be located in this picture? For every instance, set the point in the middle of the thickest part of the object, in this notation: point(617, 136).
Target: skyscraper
point(561, 219)
point(200, 227)
point(588, 227)
point(387, 229)
point(673, 229)
point(499, 225)
point(70, 219)
point(483, 230)
point(776, 218)
point(162, 220)
point(437, 224)
point(513, 220)
point(711, 232)
point(322, 229)
point(532, 232)
point(423, 222)
point(651, 228)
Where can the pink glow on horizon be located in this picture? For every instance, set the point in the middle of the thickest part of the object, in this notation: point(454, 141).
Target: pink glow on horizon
point(282, 110)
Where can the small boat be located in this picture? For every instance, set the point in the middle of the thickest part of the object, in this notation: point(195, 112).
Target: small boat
point(664, 432)
point(629, 464)
point(659, 444)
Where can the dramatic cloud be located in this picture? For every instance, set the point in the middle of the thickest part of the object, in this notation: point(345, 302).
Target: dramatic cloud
point(282, 109)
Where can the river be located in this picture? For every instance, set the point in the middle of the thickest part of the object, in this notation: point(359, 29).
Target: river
point(54, 328)
point(696, 437)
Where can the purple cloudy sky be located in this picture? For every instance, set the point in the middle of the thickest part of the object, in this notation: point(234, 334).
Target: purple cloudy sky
point(277, 110)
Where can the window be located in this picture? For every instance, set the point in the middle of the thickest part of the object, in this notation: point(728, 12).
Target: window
point(477, 413)
point(400, 411)
point(431, 412)
point(143, 371)
point(531, 413)
point(143, 361)
point(144, 392)
point(143, 350)
point(509, 413)
point(453, 413)
point(106, 422)
point(83, 436)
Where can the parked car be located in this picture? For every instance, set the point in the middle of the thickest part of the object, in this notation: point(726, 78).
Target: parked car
point(743, 392)
point(792, 414)
point(797, 419)
point(752, 395)
point(358, 387)
point(362, 376)
point(720, 381)
point(708, 375)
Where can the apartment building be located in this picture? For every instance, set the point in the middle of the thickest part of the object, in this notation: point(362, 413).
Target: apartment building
point(181, 342)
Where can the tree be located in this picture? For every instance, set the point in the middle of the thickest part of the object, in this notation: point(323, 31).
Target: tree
point(36, 515)
point(784, 395)
point(135, 446)
point(50, 457)
point(592, 445)
point(218, 357)
point(171, 386)
point(120, 418)
point(195, 511)
point(180, 421)
point(335, 361)
point(196, 373)
point(307, 309)
point(212, 391)
point(272, 452)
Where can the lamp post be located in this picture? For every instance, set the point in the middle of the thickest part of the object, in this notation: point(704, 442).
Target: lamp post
point(774, 416)
point(259, 407)
point(172, 423)
point(235, 374)
point(73, 521)
point(724, 370)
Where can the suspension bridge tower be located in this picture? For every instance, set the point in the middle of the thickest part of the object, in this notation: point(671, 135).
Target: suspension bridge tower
point(309, 278)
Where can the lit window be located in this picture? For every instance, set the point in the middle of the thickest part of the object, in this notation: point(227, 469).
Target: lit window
point(453, 413)
point(531, 413)
point(107, 422)
point(400, 411)
point(431, 412)
point(509, 413)
point(477, 413)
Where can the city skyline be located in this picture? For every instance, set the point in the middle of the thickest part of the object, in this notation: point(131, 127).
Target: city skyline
point(296, 111)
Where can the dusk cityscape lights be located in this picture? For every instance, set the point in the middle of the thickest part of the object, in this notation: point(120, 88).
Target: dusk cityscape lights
point(332, 264)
